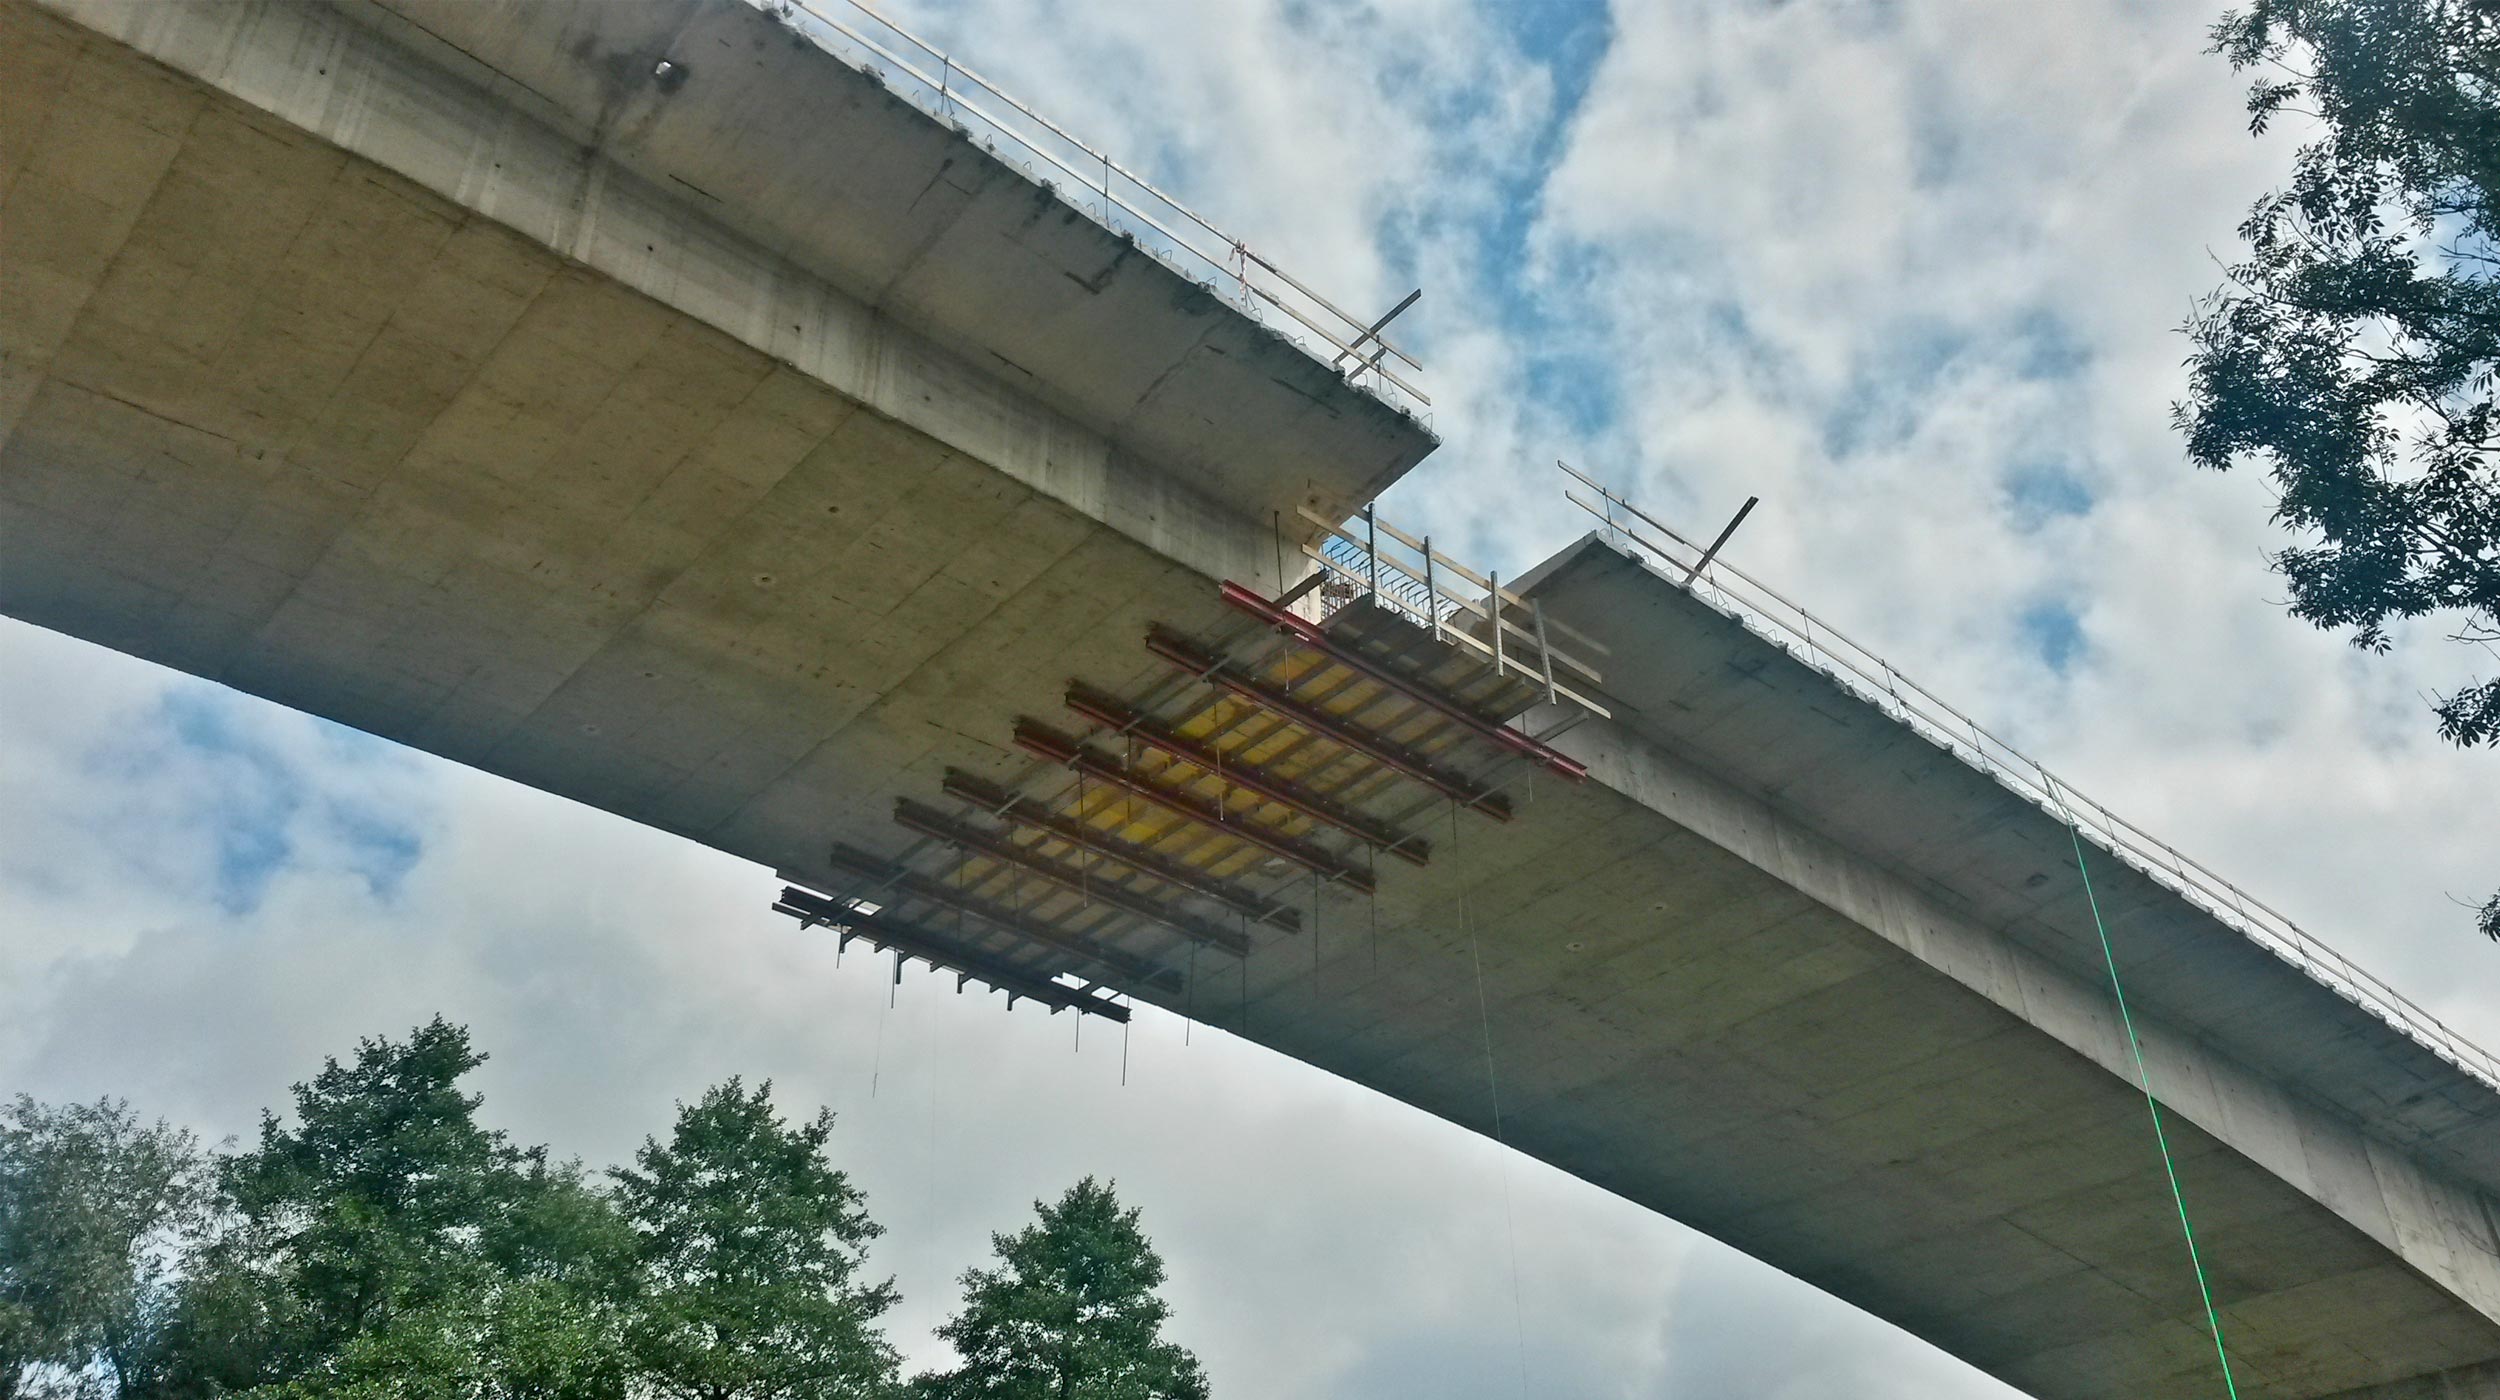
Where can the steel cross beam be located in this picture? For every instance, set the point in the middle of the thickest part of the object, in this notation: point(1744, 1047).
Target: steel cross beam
point(1221, 671)
point(1284, 792)
point(907, 884)
point(1310, 635)
point(1025, 812)
point(931, 822)
point(886, 931)
point(1040, 739)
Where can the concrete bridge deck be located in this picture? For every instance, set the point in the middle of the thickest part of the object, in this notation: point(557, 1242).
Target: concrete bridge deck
point(743, 451)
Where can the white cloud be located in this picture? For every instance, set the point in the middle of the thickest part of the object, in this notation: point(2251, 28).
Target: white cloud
point(610, 970)
point(1905, 270)
point(1876, 263)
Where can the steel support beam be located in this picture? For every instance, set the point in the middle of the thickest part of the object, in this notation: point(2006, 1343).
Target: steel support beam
point(900, 884)
point(1284, 792)
point(1035, 816)
point(1310, 635)
point(928, 821)
point(1221, 671)
point(1043, 741)
point(911, 940)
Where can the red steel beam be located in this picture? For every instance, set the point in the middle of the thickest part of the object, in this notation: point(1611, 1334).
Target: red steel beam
point(931, 822)
point(1040, 739)
point(1025, 812)
point(1284, 792)
point(1220, 671)
point(899, 884)
point(1309, 634)
point(910, 940)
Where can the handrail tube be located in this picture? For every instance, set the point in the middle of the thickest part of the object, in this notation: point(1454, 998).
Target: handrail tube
point(2201, 884)
point(1324, 333)
point(1001, 94)
point(1368, 334)
point(1217, 258)
point(1516, 599)
point(1447, 630)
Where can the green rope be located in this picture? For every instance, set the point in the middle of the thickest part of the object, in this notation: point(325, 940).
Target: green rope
point(2144, 1081)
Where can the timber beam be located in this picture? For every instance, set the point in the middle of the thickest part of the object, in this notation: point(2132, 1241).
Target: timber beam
point(1043, 741)
point(1222, 672)
point(1249, 777)
point(1311, 635)
point(896, 883)
point(1035, 816)
point(928, 821)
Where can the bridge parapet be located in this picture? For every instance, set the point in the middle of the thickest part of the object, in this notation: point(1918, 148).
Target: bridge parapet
point(1119, 199)
point(1788, 625)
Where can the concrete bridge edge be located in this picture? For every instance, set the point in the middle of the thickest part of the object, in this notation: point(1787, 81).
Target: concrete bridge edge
point(2467, 1383)
point(318, 69)
point(2440, 1228)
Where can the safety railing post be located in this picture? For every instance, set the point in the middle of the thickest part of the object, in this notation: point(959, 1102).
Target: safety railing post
point(1371, 547)
point(1544, 649)
point(1432, 592)
point(1493, 600)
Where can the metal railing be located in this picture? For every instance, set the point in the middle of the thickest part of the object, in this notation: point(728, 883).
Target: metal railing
point(1784, 623)
point(1091, 182)
point(1369, 557)
point(1350, 568)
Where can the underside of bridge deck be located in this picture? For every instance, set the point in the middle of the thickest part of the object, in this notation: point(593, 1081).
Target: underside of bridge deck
point(295, 401)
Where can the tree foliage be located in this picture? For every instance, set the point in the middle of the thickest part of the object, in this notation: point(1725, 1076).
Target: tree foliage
point(92, 1205)
point(381, 1243)
point(1071, 1311)
point(388, 1243)
point(379, 1202)
point(751, 1246)
point(2353, 351)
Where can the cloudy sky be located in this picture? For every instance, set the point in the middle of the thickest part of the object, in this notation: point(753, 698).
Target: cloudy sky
point(1909, 271)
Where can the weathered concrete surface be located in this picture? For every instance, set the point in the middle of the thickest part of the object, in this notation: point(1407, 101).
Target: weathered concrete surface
point(368, 390)
point(2471, 1383)
point(533, 467)
point(821, 165)
point(1949, 1102)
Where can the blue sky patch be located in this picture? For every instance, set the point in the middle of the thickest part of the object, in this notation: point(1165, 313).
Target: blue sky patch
point(2045, 347)
point(254, 805)
point(2052, 629)
point(1881, 404)
point(2038, 492)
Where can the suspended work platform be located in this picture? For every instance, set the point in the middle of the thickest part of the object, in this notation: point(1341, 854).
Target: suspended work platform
point(1291, 753)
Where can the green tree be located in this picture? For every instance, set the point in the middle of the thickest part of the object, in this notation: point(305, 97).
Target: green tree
point(93, 1204)
point(389, 1244)
point(2353, 352)
point(384, 1188)
point(751, 1246)
point(1071, 1313)
point(538, 1314)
